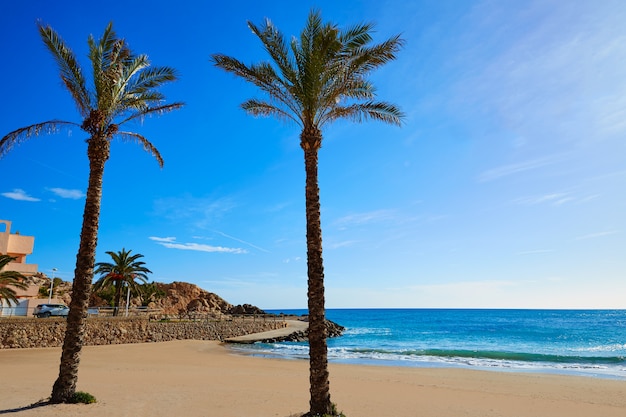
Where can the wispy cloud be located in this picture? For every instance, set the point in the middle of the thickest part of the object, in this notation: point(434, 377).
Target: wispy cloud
point(506, 170)
point(365, 218)
point(597, 235)
point(170, 242)
point(20, 195)
point(553, 76)
point(555, 199)
point(163, 239)
point(294, 259)
point(342, 244)
point(535, 252)
point(68, 193)
point(199, 211)
point(240, 241)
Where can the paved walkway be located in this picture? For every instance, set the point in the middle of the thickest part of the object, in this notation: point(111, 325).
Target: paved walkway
point(292, 327)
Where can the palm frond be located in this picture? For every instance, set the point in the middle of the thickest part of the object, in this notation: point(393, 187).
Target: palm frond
point(147, 145)
point(157, 110)
point(359, 112)
point(150, 78)
point(14, 279)
point(275, 45)
point(356, 36)
point(263, 76)
point(20, 135)
point(137, 103)
point(262, 108)
point(71, 73)
point(366, 59)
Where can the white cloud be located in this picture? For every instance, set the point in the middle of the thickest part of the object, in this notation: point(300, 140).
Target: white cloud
point(170, 242)
point(162, 239)
point(506, 170)
point(68, 193)
point(342, 244)
point(241, 241)
point(201, 212)
point(20, 195)
point(295, 259)
point(364, 218)
point(533, 252)
point(596, 235)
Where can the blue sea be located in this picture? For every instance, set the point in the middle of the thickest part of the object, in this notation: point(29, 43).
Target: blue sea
point(580, 342)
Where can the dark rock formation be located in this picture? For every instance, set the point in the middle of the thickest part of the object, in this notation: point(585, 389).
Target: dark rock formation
point(245, 309)
point(333, 329)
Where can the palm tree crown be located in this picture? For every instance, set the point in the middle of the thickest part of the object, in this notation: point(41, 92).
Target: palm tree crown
point(125, 269)
point(124, 89)
point(10, 278)
point(314, 80)
point(319, 77)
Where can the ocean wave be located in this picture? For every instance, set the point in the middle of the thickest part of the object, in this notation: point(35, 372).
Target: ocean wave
point(615, 347)
point(359, 331)
point(495, 355)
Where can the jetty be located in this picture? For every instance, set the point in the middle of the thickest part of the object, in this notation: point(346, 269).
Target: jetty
point(293, 326)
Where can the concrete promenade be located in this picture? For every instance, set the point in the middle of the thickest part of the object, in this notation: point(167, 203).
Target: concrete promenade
point(293, 326)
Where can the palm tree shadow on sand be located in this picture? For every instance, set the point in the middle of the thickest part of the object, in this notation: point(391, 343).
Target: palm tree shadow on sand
point(40, 403)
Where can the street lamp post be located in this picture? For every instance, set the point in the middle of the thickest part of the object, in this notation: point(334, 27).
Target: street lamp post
point(51, 285)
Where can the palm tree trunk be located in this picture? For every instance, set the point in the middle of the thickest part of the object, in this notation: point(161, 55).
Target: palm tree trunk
point(118, 296)
point(318, 350)
point(65, 385)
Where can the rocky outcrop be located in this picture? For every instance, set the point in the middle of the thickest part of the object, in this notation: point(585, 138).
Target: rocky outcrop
point(182, 297)
point(62, 289)
point(245, 309)
point(333, 329)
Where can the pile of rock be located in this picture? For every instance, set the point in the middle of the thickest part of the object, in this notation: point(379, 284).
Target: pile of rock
point(333, 329)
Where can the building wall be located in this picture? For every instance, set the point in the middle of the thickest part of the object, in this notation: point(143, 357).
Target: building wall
point(17, 246)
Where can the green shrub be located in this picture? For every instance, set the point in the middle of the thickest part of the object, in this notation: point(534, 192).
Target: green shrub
point(81, 397)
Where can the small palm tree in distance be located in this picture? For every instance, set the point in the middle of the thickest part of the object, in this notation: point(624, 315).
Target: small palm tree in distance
point(124, 271)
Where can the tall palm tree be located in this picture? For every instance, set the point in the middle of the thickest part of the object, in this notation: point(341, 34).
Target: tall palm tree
point(10, 278)
point(314, 80)
point(123, 271)
point(124, 89)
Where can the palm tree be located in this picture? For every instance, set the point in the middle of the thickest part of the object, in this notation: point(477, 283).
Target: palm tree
point(313, 81)
point(124, 89)
point(10, 278)
point(124, 270)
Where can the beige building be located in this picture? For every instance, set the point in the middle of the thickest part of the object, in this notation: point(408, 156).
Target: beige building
point(17, 246)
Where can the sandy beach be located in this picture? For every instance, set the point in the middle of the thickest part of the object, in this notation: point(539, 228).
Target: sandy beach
point(199, 378)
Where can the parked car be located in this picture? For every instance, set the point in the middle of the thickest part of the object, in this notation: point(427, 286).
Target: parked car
point(47, 310)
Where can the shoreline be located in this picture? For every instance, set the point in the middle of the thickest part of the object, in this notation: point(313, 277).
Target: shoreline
point(536, 368)
point(200, 378)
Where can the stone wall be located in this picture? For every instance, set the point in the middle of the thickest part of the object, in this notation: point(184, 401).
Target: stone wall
point(36, 333)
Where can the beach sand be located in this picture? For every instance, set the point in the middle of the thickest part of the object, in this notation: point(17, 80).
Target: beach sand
point(199, 378)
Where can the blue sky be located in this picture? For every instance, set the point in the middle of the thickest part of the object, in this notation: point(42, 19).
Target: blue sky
point(504, 188)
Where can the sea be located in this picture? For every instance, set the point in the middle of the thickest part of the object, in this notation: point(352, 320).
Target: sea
point(574, 342)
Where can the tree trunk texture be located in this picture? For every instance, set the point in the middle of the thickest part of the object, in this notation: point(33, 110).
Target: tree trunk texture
point(318, 351)
point(118, 297)
point(65, 385)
